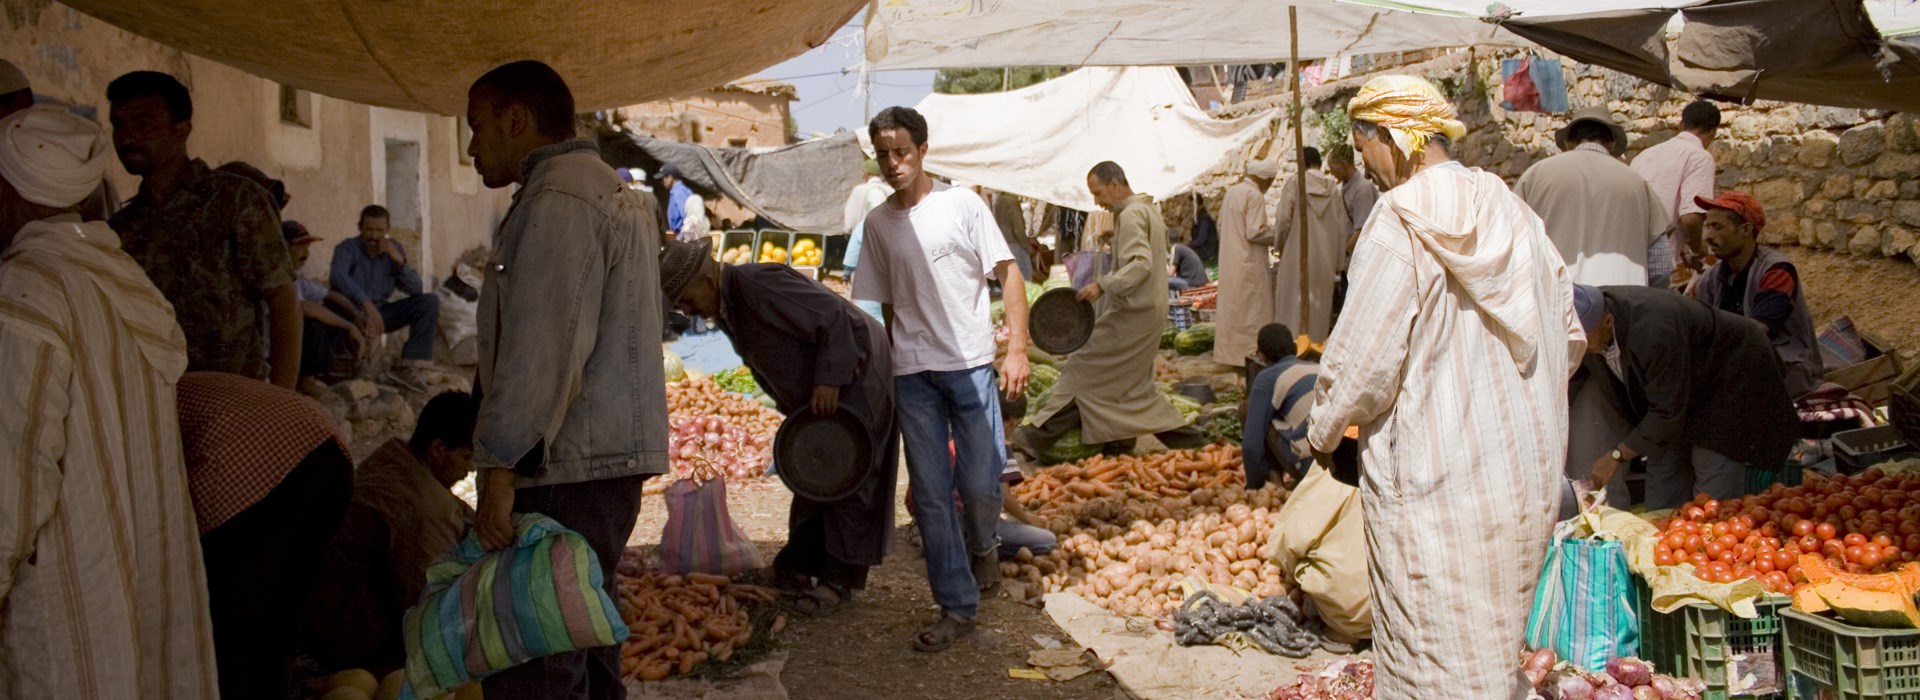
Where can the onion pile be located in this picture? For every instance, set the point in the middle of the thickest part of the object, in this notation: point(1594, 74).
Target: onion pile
point(677, 623)
point(1340, 679)
point(1865, 523)
point(1133, 527)
point(1622, 679)
point(711, 428)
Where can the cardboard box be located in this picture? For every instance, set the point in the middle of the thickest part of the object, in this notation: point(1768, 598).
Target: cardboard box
point(1872, 378)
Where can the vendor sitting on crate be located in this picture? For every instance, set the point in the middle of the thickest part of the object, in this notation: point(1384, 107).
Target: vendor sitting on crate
point(810, 349)
point(1702, 389)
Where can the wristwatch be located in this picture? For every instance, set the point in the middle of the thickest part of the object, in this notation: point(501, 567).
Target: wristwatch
point(1617, 457)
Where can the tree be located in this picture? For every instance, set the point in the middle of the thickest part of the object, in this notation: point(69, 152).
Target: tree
point(974, 81)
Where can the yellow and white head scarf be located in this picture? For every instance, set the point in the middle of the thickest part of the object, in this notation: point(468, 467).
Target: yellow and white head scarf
point(1409, 108)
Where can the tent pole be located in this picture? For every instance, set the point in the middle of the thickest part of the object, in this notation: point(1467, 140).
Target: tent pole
point(1300, 167)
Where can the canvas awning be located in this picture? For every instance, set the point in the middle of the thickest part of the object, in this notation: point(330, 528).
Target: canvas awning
point(422, 55)
point(1824, 52)
point(801, 187)
point(1039, 141)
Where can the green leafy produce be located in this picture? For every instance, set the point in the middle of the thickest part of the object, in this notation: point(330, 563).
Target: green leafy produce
point(1189, 408)
point(676, 369)
point(1070, 449)
point(1052, 283)
point(1167, 337)
point(1040, 383)
point(1034, 291)
point(1195, 340)
point(738, 380)
point(1224, 427)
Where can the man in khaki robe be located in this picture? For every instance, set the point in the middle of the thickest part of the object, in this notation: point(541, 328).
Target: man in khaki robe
point(1246, 273)
point(1106, 387)
point(1327, 231)
point(1601, 214)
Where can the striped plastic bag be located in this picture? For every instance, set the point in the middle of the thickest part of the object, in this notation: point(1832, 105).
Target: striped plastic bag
point(700, 536)
point(484, 612)
point(1585, 607)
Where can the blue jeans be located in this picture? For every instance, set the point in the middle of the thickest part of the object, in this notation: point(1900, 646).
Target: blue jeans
point(964, 406)
point(1015, 535)
point(420, 315)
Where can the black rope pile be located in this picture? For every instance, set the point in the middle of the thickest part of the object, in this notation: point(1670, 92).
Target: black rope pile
point(1274, 624)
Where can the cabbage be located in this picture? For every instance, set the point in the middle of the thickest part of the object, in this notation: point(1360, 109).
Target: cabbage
point(1040, 381)
point(1069, 449)
point(1033, 292)
point(676, 369)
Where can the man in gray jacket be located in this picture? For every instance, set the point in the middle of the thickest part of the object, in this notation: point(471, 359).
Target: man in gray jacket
point(573, 414)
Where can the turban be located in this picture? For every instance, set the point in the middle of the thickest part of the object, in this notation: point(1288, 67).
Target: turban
point(1409, 108)
point(1263, 169)
point(52, 157)
point(1590, 305)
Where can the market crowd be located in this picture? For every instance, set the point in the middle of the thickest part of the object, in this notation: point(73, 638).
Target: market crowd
point(176, 507)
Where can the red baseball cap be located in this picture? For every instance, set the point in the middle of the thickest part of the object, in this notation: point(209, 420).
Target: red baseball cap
point(1739, 203)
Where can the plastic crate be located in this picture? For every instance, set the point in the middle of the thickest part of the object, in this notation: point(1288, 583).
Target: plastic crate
point(819, 243)
point(734, 239)
point(1705, 642)
point(1759, 480)
point(1842, 662)
point(1858, 449)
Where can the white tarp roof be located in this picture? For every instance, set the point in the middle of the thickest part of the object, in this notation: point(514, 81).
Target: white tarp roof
point(912, 34)
point(422, 55)
point(1040, 141)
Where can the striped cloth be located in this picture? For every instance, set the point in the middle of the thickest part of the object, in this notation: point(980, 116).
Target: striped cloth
point(1280, 399)
point(102, 591)
point(484, 612)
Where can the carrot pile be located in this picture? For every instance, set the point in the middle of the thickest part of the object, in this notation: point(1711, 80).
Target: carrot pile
point(1133, 527)
point(679, 622)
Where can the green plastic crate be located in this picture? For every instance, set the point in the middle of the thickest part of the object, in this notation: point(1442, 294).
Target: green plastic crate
point(1701, 641)
point(1759, 480)
point(1843, 662)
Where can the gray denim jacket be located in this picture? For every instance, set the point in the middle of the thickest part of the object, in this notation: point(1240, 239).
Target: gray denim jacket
point(570, 328)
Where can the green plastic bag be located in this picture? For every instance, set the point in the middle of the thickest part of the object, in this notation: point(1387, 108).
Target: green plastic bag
point(1585, 607)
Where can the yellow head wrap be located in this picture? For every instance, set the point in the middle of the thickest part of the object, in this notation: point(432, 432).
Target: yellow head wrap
point(1410, 108)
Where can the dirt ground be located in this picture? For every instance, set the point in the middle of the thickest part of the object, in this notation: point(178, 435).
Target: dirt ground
point(1882, 295)
point(864, 650)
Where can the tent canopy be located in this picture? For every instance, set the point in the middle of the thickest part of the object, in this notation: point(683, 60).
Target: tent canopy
point(1040, 141)
point(422, 55)
point(802, 187)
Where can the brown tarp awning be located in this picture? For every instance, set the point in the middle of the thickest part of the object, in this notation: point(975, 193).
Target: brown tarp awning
point(1823, 52)
point(421, 55)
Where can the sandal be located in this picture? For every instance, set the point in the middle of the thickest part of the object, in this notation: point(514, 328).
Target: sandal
point(791, 582)
point(822, 601)
point(941, 635)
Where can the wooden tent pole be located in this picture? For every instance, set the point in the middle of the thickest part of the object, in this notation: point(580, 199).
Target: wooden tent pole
point(1300, 168)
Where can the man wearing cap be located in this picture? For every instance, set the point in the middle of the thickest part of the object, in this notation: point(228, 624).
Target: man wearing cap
point(1451, 358)
point(210, 240)
point(1702, 388)
point(677, 195)
point(812, 351)
point(1323, 230)
point(1246, 271)
point(333, 326)
point(1681, 169)
point(100, 565)
point(1760, 283)
point(1600, 213)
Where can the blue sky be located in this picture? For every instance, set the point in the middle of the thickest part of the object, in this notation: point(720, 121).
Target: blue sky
point(830, 100)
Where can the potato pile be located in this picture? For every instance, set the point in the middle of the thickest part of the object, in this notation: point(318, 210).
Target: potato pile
point(677, 622)
point(1133, 527)
point(712, 425)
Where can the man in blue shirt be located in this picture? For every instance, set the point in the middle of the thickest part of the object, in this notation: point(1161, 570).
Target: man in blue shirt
point(1277, 402)
point(677, 194)
point(368, 269)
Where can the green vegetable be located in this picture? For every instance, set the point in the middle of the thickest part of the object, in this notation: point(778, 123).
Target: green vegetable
point(676, 369)
point(1195, 340)
point(997, 311)
point(1033, 292)
point(1051, 284)
point(738, 380)
point(1189, 408)
point(1040, 381)
point(1037, 357)
point(1069, 449)
point(1167, 337)
point(1224, 427)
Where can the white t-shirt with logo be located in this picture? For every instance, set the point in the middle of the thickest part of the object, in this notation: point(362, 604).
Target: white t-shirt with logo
point(932, 263)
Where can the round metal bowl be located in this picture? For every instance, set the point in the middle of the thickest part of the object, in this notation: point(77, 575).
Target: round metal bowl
point(1059, 323)
point(823, 458)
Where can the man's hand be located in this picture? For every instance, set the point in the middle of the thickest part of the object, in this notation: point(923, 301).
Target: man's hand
point(1089, 293)
point(1603, 470)
point(826, 399)
point(356, 339)
point(374, 326)
point(493, 520)
point(1014, 373)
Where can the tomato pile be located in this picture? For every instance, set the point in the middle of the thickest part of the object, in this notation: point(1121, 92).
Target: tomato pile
point(1865, 523)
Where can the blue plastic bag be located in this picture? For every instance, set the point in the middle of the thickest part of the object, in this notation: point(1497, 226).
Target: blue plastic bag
point(1585, 607)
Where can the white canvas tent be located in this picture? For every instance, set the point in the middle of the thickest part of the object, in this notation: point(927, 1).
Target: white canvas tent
point(1039, 141)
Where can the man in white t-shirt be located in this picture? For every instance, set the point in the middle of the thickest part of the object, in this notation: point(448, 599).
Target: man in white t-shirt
point(927, 257)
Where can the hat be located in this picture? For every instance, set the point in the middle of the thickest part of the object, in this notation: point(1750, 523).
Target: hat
point(52, 157)
point(1263, 169)
point(12, 79)
point(1590, 305)
point(680, 262)
point(1740, 203)
point(296, 233)
point(1593, 114)
point(669, 170)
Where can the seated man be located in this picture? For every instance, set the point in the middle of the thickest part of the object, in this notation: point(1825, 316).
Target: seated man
point(368, 269)
point(1703, 388)
point(1018, 528)
point(332, 324)
point(402, 517)
point(1760, 283)
point(1319, 541)
point(1187, 272)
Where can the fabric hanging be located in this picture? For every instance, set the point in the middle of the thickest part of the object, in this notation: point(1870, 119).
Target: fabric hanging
point(1551, 84)
point(1517, 91)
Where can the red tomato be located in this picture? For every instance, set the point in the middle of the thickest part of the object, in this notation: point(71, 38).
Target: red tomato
point(1854, 539)
point(1824, 531)
point(1869, 558)
point(1782, 560)
point(1802, 528)
point(1882, 540)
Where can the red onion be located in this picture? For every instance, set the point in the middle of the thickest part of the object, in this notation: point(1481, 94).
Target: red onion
point(1613, 692)
point(1665, 686)
point(1630, 672)
point(1570, 687)
point(1646, 692)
